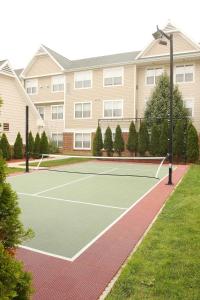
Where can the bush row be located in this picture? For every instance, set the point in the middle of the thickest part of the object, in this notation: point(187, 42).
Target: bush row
point(150, 141)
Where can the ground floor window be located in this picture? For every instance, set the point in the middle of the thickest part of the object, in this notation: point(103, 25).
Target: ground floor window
point(82, 140)
point(57, 138)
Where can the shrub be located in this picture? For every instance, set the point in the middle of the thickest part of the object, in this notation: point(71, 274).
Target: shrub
point(37, 146)
point(97, 142)
point(5, 147)
point(18, 147)
point(132, 139)
point(119, 141)
point(192, 146)
point(178, 140)
point(30, 144)
point(143, 139)
point(155, 139)
point(108, 142)
point(53, 148)
point(44, 145)
point(163, 141)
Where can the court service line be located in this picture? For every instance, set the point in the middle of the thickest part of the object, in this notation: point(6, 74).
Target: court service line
point(73, 201)
point(73, 181)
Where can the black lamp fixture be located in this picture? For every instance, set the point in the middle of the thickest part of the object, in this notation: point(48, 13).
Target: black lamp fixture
point(159, 35)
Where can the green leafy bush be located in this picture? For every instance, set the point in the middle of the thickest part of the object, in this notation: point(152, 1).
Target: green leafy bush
point(97, 143)
point(192, 151)
point(18, 147)
point(5, 147)
point(30, 144)
point(44, 145)
point(37, 153)
point(119, 141)
point(155, 139)
point(132, 139)
point(108, 142)
point(143, 139)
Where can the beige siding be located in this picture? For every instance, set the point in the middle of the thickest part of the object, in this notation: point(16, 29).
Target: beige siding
point(42, 65)
point(13, 109)
point(180, 45)
point(97, 94)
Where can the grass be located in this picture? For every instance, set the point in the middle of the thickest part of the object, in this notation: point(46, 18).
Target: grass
point(166, 265)
point(61, 162)
point(13, 170)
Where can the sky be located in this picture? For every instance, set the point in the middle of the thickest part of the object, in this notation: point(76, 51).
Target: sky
point(86, 28)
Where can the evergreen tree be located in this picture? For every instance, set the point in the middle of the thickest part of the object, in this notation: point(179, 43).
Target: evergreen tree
point(119, 141)
point(192, 148)
point(132, 139)
point(163, 141)
point(143, 139)
point(98, 142)
point(155, 140)
point(5, 147)
point(37, 146)
point(158, 104)
point(30, 144)
point(108, 142)
point(18, 147)
point(44, 144)
point(178, 140)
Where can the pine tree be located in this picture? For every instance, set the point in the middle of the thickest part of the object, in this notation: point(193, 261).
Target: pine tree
point(119, 141)
point(192, 146)
point(143, 139)
point(97, 142)
point(155, 139)
point(108, 142)
point(30, 144)
point(178, 140)
point(132, 139)
point(37, 146)
point(18, 147)
point(44, 144)
point(5, 147)
point(163, 141)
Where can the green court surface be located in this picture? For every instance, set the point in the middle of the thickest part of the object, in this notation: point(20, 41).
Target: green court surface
point(69, 209)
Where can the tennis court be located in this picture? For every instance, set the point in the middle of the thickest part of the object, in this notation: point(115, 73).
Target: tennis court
point(70, 207)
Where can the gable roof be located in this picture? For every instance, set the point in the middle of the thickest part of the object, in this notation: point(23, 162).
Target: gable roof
point(5, 68)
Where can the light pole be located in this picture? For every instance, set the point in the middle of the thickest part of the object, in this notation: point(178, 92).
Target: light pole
point(159, 34)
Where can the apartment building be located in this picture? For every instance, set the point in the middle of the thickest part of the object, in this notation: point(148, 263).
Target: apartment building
point(73, 95)
point(14, 100)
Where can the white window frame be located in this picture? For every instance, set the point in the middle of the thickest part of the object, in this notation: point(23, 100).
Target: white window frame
point(184, 65)
point(32, 85)
point(192, 100)
point(82, 133)
point(117, 117)
point(91, 79)
point(113, 69)
point(57, 133)
point(39, 106)
point(52, 106)
point(52, 83)
point(82, 103)
point(153, 69)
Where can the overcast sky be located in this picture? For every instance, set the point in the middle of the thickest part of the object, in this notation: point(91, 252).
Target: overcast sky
point(86, 28)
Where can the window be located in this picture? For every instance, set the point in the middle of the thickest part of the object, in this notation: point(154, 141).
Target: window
point(83, 80)
point(57, 138)
point(184, 73)
point(31, 86)
point(41, 111)
point(153, 75)
point(113, 109)
point(82, 110)
point(189, 105)
point(5, 126)
point(82, 140)
point(58, 83)
point(113, 76)
point(57, 112)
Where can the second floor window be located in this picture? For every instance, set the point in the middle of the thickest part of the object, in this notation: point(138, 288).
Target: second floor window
point(184, 73)
point(153, 75)
point(58, 83)
point(31, 86)
point(41, 111)
point(83, 80)
point(113, 109)
point(57, 112)
point(113, 76)
point(82, 110)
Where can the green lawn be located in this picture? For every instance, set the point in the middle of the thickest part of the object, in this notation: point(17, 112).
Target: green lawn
point(13, 170)
point(60, 162)
point(166, 265)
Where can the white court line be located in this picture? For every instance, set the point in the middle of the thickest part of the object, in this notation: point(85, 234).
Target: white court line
point(73, 181)
point(73, 201)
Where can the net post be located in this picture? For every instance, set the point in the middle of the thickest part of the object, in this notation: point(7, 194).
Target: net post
point(27, 142)
point(159, 167)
